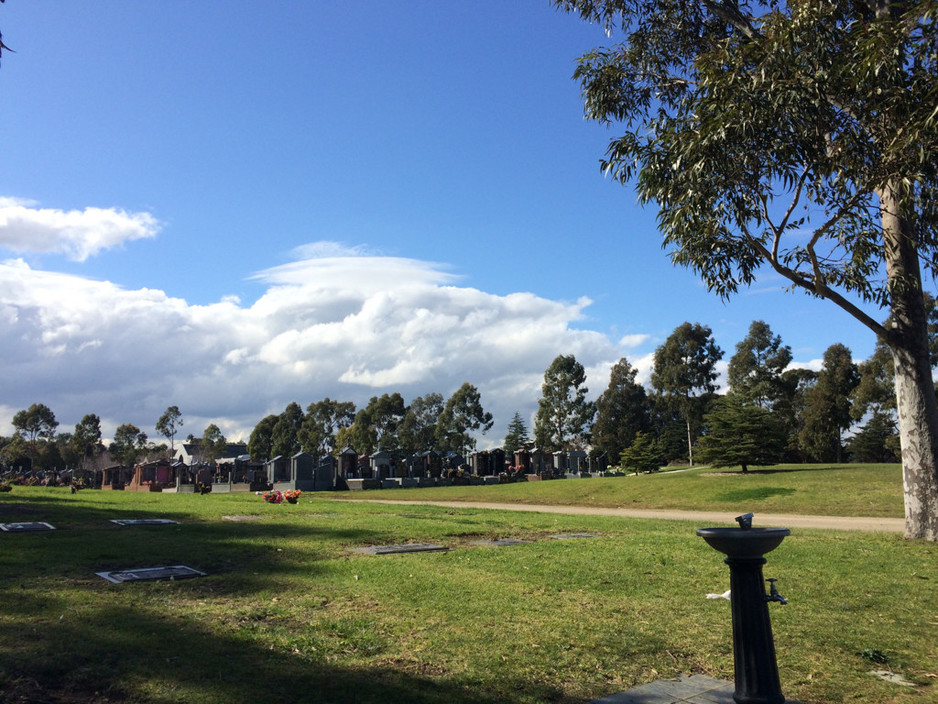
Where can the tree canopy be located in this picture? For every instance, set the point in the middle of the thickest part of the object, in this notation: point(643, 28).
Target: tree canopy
point(755, 371)
point(168, 425)
point(128, 444)
point(740, 432)
point(462, 414)
point(798, 136)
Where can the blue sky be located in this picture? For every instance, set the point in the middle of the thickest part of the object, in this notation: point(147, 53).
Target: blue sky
point(228, 206)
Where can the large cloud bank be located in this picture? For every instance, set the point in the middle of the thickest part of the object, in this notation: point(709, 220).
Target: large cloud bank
point(336, 322)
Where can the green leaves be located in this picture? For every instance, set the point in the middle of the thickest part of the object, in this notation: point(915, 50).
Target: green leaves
point(768, 138)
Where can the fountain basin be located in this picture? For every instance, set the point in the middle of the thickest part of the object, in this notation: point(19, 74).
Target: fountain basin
point(743, 542)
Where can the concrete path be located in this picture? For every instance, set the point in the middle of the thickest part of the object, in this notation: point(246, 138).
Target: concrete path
point(786, 520)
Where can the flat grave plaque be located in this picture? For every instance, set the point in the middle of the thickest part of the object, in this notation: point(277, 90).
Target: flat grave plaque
point(143, 521)
point(243, 518)
point(573, 536)
point(398, 549)
point(147, 574)
point(28, 527)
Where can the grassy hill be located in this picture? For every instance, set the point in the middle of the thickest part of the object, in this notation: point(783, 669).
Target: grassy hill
point(826, 490)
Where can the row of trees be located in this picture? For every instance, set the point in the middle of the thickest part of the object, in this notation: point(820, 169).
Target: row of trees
point(36, 444)
point(386, 424)
point(770, 412)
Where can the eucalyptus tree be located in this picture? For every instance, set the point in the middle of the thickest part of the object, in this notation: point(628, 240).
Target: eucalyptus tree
point(417, 429)
point(87, 438)
point(563, 412)
point(128, 444)
point(285, 436)
point(36, 423)
point(168, 425)
point(375, 426)
point(462, 415)
point(323, 419)
point(796, 136)
point(685, 374)
point(261, 442)
point(213, 444)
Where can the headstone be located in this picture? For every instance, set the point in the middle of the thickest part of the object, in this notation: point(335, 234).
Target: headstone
point(243, 518)
point(29, 527)
point(148, 574)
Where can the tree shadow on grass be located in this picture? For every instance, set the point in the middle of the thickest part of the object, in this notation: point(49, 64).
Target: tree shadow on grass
point(145, 655)
point(753, 472)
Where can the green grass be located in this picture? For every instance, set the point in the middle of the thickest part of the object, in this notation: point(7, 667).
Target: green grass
point(873, 490)
point(289, 614)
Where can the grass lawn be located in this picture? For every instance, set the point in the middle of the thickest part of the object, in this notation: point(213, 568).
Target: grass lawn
point(827, 490)
point(289, 614)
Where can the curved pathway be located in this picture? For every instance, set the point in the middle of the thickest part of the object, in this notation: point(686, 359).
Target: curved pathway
point(788, 520)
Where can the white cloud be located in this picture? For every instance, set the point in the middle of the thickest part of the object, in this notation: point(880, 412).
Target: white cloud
point(347, 327)
point(78, 234)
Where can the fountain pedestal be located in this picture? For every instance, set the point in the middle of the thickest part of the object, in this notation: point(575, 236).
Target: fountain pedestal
point(756, 669)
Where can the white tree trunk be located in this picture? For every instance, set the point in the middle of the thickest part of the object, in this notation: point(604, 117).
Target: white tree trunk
point(907, 336)
point(918, 433)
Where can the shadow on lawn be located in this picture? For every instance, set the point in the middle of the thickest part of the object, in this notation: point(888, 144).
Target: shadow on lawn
point(122, 654)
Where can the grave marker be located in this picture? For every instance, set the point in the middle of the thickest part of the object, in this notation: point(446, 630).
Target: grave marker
point(144, 521)
point(397, 549)
point(28, 527)
point(147, 574)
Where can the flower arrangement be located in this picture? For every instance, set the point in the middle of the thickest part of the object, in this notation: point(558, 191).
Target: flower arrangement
point(292, 496)
point(273, 497)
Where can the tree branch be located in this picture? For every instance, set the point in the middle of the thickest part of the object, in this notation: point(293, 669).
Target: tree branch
point(820, 289)
point(729, 13)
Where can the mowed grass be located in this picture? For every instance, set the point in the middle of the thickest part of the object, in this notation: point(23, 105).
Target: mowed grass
point(873, 490)
point(289, 613)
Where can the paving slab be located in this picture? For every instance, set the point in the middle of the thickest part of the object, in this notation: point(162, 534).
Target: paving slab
point(28, 527)
point(686, 689)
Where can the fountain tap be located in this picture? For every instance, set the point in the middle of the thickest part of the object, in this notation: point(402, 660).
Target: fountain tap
point(745, 521)
point(773, 594)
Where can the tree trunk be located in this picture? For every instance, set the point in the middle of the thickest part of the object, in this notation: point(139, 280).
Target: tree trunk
point(907, 337)
point(690, 445)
